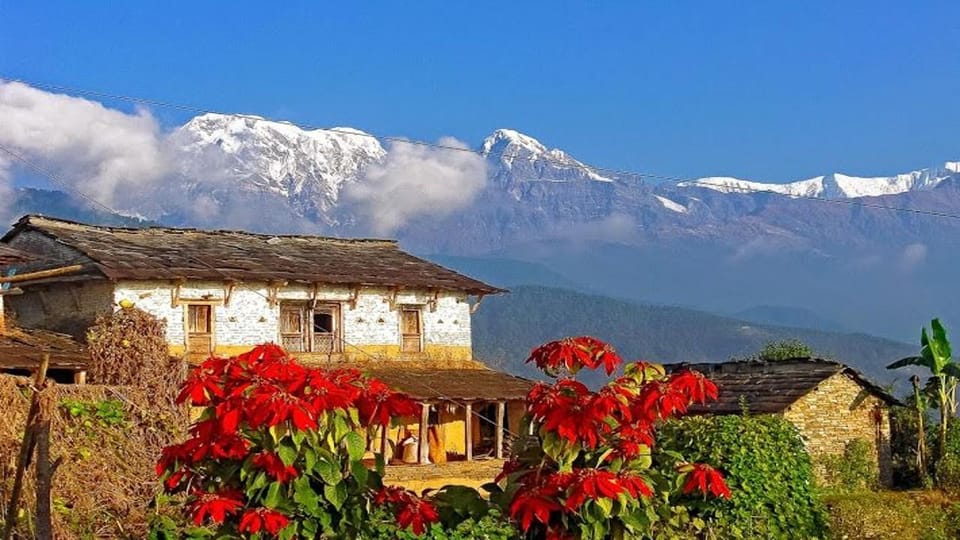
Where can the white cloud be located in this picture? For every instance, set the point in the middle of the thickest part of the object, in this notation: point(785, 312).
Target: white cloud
point(913, 256)
point(105, 153)
point(416, 180)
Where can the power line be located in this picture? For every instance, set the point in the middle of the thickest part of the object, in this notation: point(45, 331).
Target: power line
point(56, 179)
point(575, 164)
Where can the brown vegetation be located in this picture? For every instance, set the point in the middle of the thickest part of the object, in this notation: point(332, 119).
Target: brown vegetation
point(109, 436)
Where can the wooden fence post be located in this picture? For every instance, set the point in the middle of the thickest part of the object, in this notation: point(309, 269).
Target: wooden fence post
point(26, 448)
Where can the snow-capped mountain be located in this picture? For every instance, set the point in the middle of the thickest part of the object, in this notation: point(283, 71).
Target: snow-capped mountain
point(836, 185)
point(517, 159)
point(309, 168)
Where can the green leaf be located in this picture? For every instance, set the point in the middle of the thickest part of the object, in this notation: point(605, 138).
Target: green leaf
point(329, 472)
point(356, 446)
point(335, 494)
point(304, 495)
point(274, 497)
point(908, 361)
point(287, 453)
point(360, 472)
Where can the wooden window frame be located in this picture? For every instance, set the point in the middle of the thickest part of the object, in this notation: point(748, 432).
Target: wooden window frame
point(307, 334)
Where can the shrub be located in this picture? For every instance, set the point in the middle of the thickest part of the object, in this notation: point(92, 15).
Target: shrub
point(853, 470)
point(948, 467)
point(785, 350)
point(768, 471)
point(588, 472)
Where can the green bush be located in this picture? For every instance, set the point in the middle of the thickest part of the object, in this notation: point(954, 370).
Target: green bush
point(492, 526)
point(768, 471)
point(924, 515)
point(948, 467)
point(853, 470)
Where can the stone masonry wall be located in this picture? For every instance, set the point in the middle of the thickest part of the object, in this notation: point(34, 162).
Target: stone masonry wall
point(70, 308)
point(839, 411)
point(371, 329)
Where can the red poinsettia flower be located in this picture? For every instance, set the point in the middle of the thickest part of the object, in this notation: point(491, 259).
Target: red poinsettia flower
point(215, 506)
point(657, 401)
point(592, 484)
point(575, 353)
point(572, 411)
point(274, 467)
point(377, 404)
point(694, 385)
point(416, 514)
point(200, 388)
point(705, 479)
point(534, 504)
point(331, 391)
point(412, 512)
point(255, 520)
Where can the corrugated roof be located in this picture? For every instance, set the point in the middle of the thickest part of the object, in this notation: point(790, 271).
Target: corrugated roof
point(771, 386)
point(441, 383)
point(166, 253)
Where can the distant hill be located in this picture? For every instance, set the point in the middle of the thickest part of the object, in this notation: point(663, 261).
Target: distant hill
point(60, 205)
point(506, 272)
point(506, 328)
point(788, 316)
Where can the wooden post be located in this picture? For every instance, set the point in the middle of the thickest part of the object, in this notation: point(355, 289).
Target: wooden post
point(423, 439)
point(80, 377)
point(384, 441)
point(26, 448)
point(501, 412)
point(44, 471)
point(468, 429)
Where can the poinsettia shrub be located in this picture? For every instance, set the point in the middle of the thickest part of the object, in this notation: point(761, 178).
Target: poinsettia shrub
point(767, 468)
point(587, 471)
point(278, 448)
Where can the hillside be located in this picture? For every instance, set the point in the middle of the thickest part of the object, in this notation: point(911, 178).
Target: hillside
point(506, 328)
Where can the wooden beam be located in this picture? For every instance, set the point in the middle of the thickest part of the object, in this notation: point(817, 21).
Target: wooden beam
point(53, 272)
point(354, 295)
point(501, 412)
point(475, 307)
point(424, 438)
point(468, 429)
point(80, 377)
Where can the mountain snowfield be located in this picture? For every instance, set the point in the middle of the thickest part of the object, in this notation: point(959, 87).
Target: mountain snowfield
point(313, 166)
point(836, 185)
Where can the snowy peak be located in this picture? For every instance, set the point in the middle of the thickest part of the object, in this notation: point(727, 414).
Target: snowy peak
point(835, 185)
point(307, 166)
point(521, 156)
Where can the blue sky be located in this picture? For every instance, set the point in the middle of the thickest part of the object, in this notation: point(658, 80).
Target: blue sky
point(771, 91)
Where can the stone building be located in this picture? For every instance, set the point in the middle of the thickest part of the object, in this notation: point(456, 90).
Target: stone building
point(359, 303)
point(831, 404)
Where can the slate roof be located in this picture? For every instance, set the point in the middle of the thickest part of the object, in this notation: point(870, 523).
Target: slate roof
point(771, 387)
point(169, 253)
point(22, 349)
point(444, 383)
point(9, 256)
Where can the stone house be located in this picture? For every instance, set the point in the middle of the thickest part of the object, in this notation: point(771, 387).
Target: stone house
point(830, 403)
point(358, 303)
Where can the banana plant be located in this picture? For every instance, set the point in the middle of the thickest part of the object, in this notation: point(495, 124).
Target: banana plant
point(937, 356)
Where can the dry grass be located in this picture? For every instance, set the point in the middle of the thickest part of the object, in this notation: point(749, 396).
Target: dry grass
point(109, 436)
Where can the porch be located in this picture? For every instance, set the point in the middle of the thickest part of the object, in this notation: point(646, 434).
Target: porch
point(466, 413)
